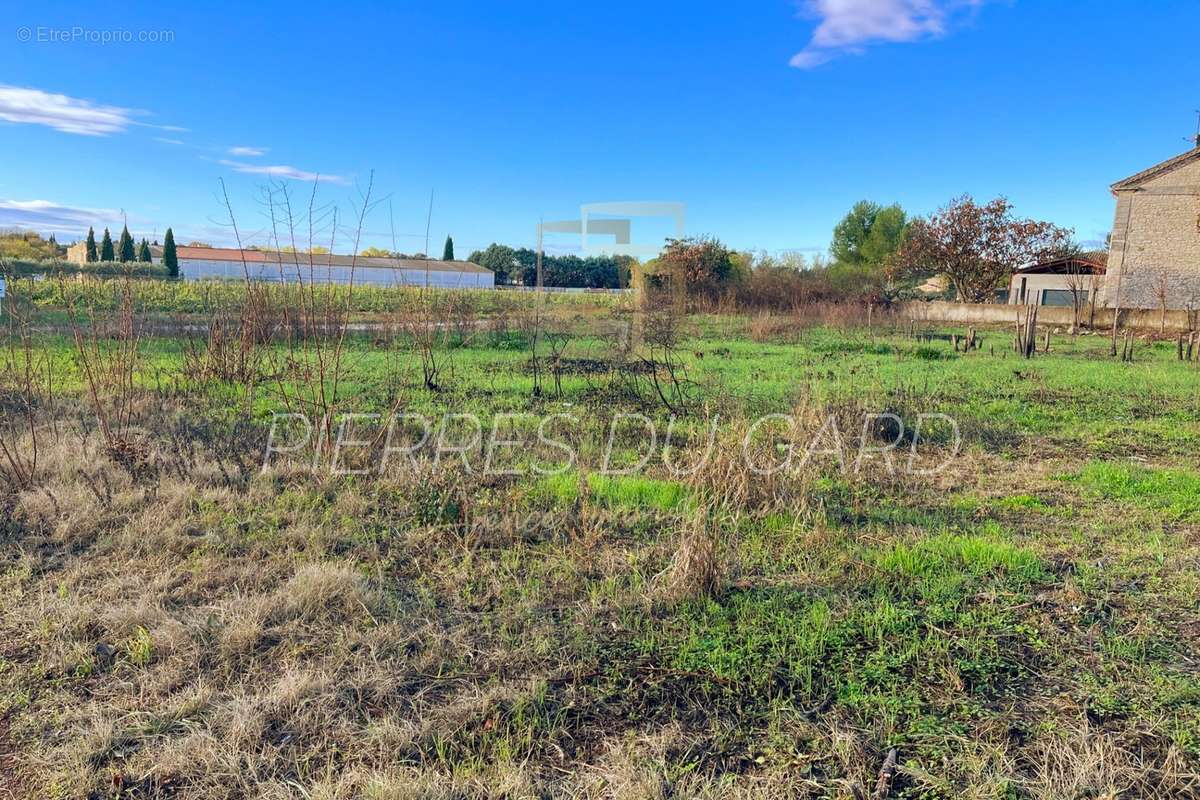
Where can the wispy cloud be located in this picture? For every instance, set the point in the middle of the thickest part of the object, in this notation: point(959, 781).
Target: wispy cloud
point(282, 171)
point(28, 106)
point(248, 152)
point(850, 26)
point(62, 113)
point(165, 140)
point(48, 217)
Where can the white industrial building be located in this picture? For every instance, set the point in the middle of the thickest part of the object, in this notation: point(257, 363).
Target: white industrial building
point(197, 263)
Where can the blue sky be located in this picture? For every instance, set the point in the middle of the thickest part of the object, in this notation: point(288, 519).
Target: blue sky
point(768, 119)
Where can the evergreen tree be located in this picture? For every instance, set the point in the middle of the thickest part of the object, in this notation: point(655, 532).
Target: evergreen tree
point(126, 246)
point(106, 247)
point(169, 259)
point(91, 246)
point(144, 252)
point(448, 250)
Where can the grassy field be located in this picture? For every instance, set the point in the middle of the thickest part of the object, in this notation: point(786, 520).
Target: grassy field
point(1022, 623)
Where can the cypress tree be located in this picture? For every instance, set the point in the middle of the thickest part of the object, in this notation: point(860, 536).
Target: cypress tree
point(448, 250)
point(91, 246)
point(106, 247)
point(144, 252)
point(126, 246)
point(169, 258)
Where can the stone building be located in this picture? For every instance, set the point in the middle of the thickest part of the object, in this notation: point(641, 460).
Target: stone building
point(1154, 260)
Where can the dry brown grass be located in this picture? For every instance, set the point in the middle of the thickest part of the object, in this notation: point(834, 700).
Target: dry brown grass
point(1079, 760)
point(699, 566)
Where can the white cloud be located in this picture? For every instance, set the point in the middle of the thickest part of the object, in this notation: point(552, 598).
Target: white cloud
point(49, 217)
point(165, 140)
point(248, 152)
point(66, 114)
point(69, 114)
point(848, 26)
point(282, 171)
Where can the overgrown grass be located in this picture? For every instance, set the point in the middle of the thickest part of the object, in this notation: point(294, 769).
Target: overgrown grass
point(207, 628)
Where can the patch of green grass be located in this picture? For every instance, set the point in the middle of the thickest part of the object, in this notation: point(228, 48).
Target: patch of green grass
point(1022, 502)
point(926, 353)
point(1172, 491)
point(930, 558)
point(140, 647)
point(880, 645)
point(616, 491)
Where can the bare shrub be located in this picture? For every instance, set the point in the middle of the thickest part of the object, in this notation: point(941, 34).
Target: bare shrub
point(432, 326)
point(531, 322)
point(109, 361)
point(557, 340)
point(308, 373)
point(661, 361)
point(26, 403)
point(228, 352)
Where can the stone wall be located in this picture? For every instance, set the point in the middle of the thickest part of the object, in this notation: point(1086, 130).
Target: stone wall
point(941, 312)
point(1156, 243)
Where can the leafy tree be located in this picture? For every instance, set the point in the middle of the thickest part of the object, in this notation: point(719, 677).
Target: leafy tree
point(886, 235)
point(448, 250)
point(91, 246)
point(705, 265)
point(500, 259)
point(170, 258)
point(144, 252)
point(868, 234)
point(978, 247)
point(125, 250)
point(106, 247)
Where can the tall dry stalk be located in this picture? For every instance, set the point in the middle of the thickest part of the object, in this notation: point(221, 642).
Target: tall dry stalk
point(698, 567)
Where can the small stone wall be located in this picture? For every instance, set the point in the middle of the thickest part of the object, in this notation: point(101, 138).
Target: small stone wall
point(940, 311)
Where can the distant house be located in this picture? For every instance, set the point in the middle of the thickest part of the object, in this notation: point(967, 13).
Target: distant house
point(269, 265)
point(936, 285)
point(1155, 256)
point(1072, 281)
